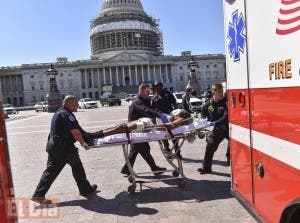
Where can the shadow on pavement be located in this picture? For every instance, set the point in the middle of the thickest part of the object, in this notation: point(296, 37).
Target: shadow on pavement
point(122, 204)
point(215, 162)
point(194, 190)
point(125, 204)
point(189, 160)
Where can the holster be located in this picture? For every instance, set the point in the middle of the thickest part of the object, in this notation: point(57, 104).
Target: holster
point(57, 147)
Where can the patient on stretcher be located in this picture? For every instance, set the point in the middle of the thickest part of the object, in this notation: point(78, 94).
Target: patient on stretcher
point(145, 129)
point(175, 119)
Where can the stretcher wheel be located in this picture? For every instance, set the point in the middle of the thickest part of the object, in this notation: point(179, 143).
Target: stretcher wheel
point(175, 173)
point(201, 135)
point(131, 189)
point(130, 179)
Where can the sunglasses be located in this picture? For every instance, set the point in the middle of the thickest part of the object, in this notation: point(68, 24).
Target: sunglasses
point(217, 90)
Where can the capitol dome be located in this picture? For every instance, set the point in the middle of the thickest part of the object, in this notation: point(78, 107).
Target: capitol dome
point(123, 25)
point(118, 6)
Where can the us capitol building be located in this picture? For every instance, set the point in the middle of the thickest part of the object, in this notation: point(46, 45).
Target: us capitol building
point(126, 50)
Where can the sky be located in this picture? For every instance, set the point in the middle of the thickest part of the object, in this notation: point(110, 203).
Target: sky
point(39, 31)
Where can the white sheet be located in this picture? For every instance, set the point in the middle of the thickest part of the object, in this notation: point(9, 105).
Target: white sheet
point(153, 135)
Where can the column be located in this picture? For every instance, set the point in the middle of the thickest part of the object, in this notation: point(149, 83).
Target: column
point(149, 73)
point(136, 76)
point(13, 80)
point(117, 72)
point(143, 79)
point(99, 83)
point(104, 76)
point(221, 71)
point(167, 73)
point(129, 72)
point(160, 72)
point(110, 76)
point(123, 75)
point(10, 78)
point(92, 77)
point(86, 84)
point(110, 41)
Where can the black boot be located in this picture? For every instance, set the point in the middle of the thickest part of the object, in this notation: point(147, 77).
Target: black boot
point(158, 170)
point(204, 171)
point(92, 189)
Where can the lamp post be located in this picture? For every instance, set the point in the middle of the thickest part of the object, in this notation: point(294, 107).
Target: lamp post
point(54, 97)
point(193, 82)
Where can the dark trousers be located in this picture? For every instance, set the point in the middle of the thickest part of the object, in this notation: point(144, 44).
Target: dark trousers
point(212, 145)
point(55, 166)
point(167, 145)
point(144, 150)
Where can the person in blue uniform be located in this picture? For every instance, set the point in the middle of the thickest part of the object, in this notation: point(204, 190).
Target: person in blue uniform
point(215, 110)
point(65, 131)
point(139, 108)
point(164, 101)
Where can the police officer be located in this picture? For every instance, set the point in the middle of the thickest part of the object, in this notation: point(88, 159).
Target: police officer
point(164, 101)
point(141, 107)
point(215, 110)
point(186, 99)
point(64, 132)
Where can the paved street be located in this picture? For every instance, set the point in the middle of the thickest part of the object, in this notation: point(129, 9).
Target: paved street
point(205, 198)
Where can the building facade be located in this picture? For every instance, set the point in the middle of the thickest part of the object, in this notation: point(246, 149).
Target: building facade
point(126, 50)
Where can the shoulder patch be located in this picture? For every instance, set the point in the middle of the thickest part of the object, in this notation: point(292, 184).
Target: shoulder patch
point(211, 108)
point(71, 118)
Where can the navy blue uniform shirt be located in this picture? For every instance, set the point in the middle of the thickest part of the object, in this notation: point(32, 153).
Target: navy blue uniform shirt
point(141, 107)
point(216, 112)
point(63, 121)
point(164, 102)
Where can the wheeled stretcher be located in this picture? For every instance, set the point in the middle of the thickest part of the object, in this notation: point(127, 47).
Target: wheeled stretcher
point(180, 134)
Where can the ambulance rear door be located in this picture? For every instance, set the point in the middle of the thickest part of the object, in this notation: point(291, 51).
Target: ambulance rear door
point(273, 34)
point(238, 97)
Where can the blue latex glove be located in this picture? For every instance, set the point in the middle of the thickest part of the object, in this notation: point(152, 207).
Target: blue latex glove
point(164, 118)
point(212, 123)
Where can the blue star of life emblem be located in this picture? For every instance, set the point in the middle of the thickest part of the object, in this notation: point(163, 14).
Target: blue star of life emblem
point(237, 39)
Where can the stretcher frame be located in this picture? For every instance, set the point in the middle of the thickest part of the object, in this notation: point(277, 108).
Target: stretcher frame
point(171, 157)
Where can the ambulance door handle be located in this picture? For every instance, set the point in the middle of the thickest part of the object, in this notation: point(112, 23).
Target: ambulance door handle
point(233, 99)
point(242, 99)
point(260, 170)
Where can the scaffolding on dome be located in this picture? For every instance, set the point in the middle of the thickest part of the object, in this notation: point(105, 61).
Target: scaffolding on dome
point(146, 37)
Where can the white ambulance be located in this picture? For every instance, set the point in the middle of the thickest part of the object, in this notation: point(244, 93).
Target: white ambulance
point(262, 39)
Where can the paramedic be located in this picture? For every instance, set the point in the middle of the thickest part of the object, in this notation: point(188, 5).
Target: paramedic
point(64, 132)
point(215, 110)
point(165, 102)
point(141, 107)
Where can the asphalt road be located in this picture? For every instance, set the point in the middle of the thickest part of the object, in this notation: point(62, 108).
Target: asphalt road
point(205, 198)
